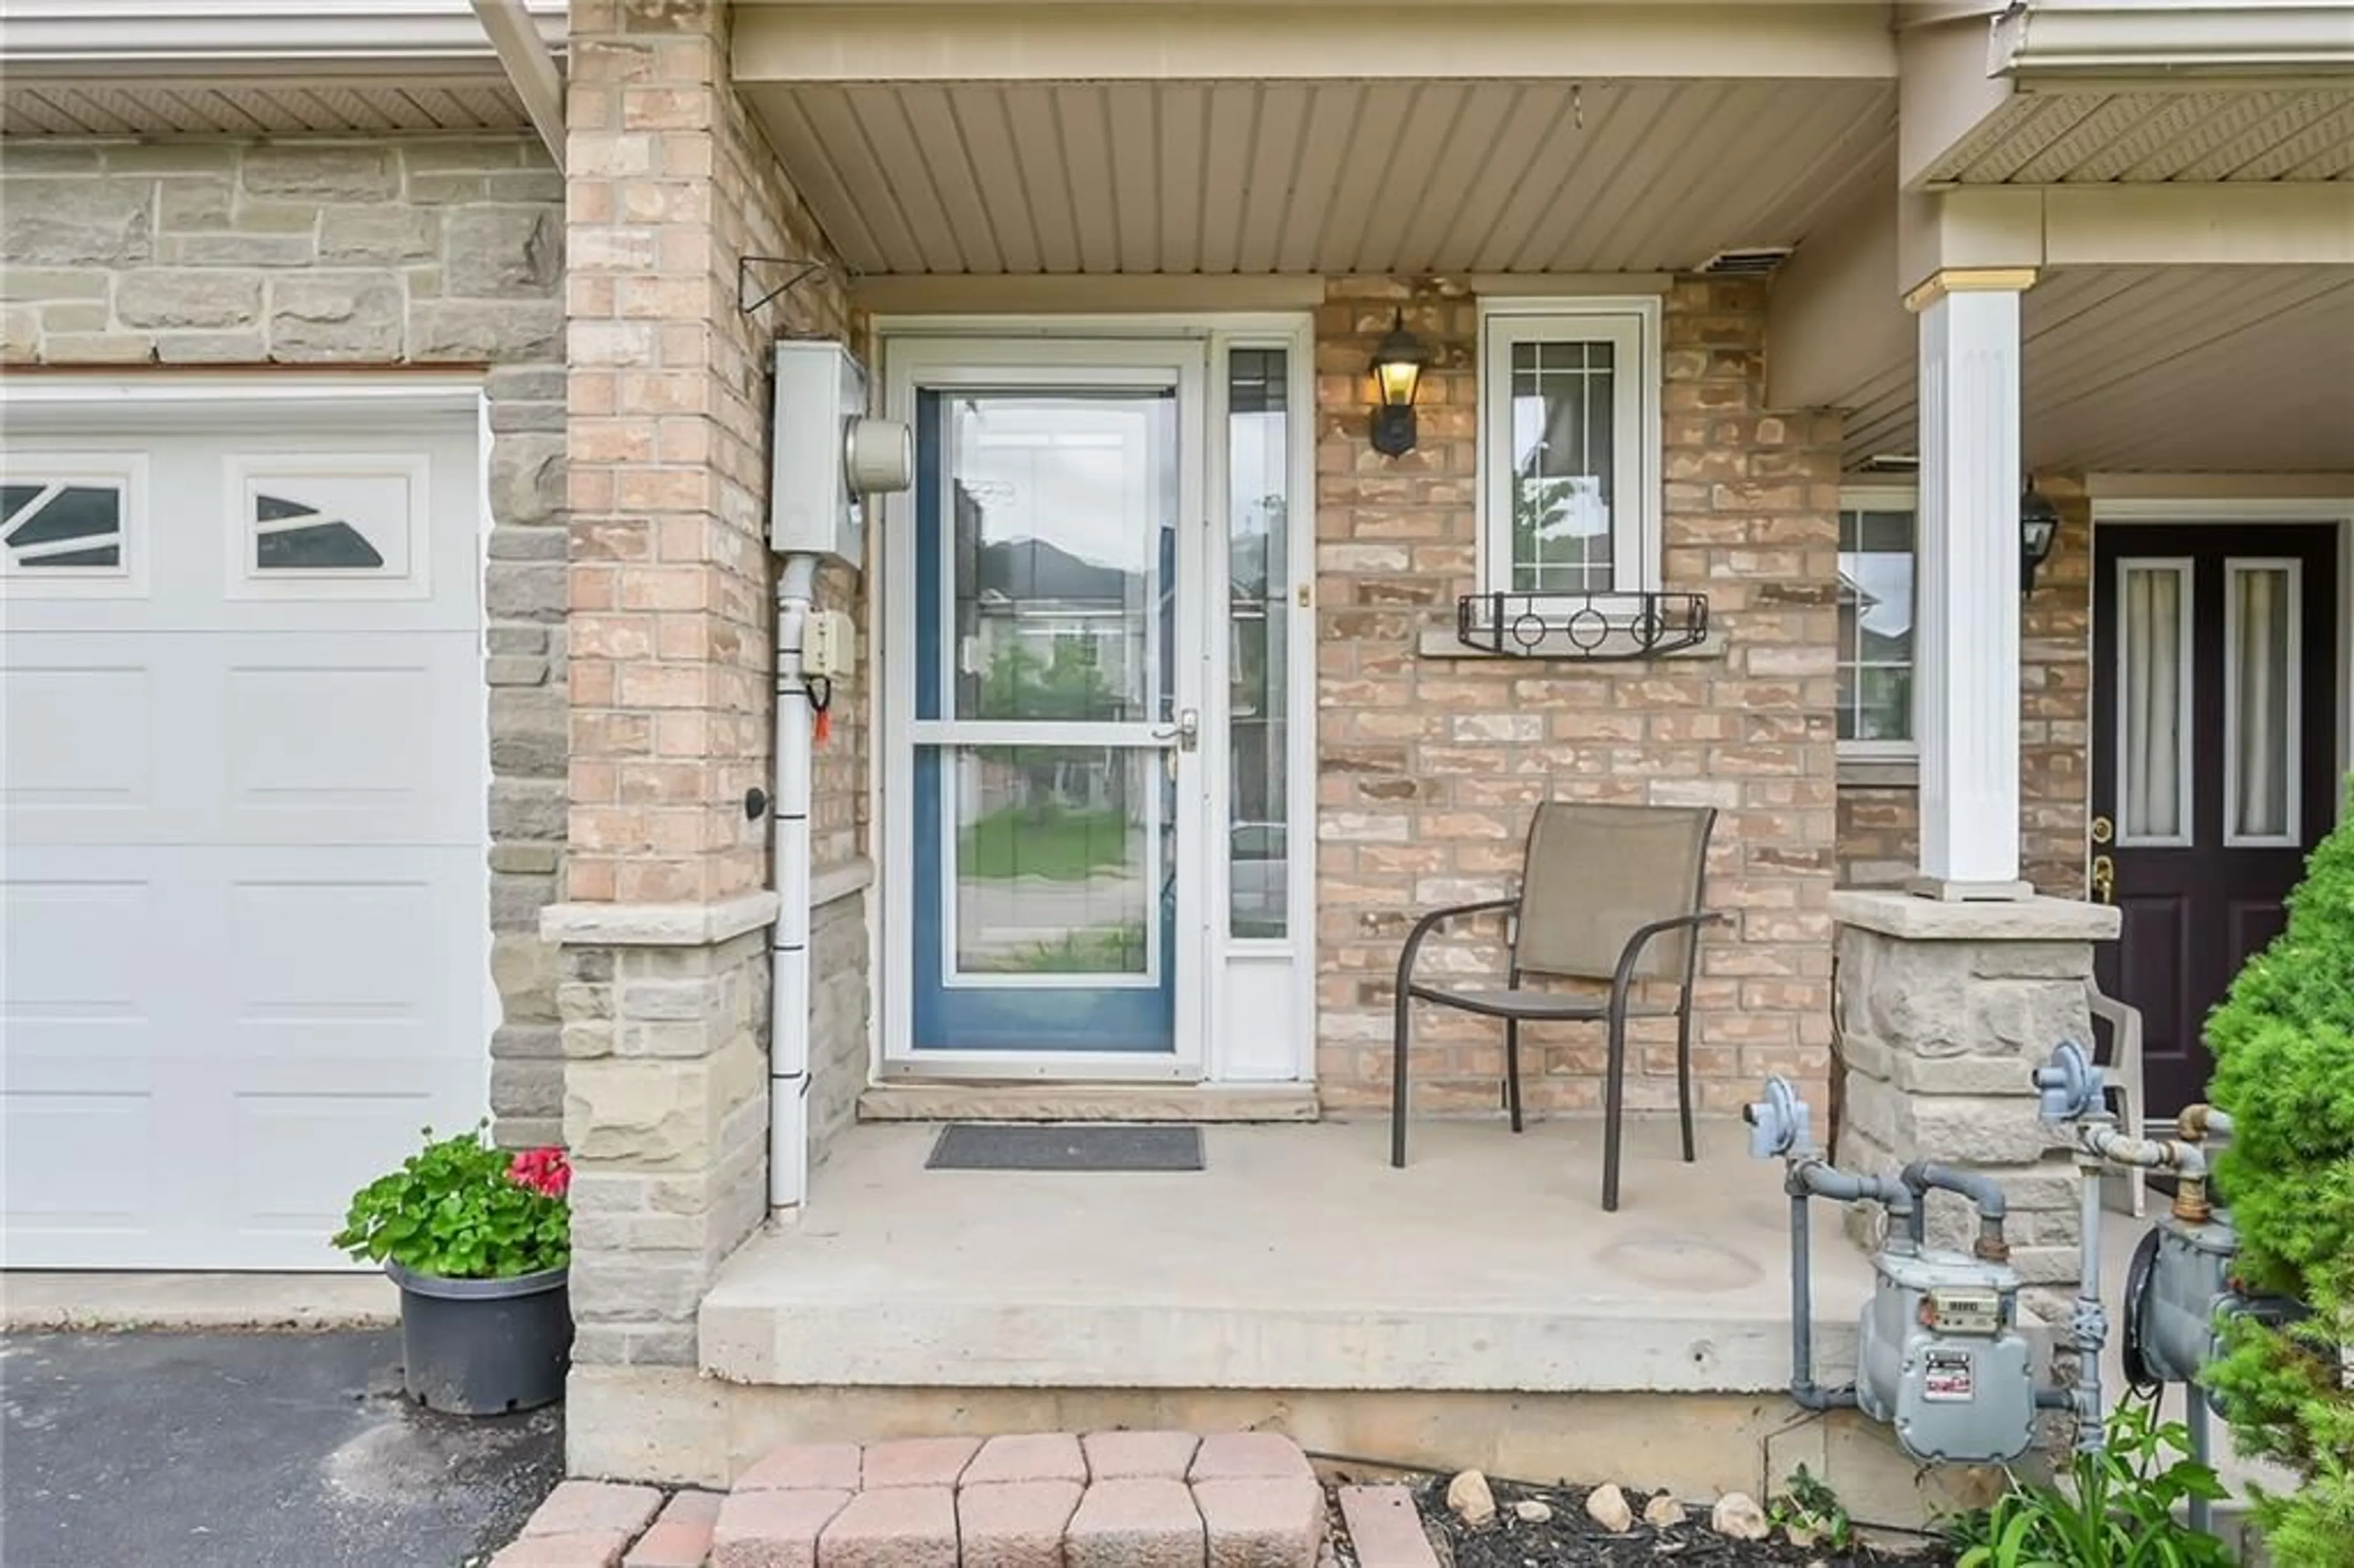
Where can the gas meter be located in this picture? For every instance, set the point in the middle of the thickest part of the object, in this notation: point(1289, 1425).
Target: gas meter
point(1939, 1354)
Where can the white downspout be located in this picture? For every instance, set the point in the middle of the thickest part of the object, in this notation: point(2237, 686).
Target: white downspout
point(788, 987)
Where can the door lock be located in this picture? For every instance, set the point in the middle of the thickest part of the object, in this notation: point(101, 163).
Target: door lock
point(1186, 732)
point(2104, 878)
point(2104, 829)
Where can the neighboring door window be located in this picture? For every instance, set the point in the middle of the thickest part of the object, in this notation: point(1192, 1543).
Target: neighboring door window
point(1876, 614)
point(2214, 687)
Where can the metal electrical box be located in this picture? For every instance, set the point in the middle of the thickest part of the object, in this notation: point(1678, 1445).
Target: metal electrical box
point(1941, 1357)
point(828, 456)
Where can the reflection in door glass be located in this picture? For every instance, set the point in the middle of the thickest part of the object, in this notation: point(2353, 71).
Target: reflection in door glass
point(1053, 851)
point(1258, 605)
point(1064, 522)
point(2153, 692)
point(2260, 675)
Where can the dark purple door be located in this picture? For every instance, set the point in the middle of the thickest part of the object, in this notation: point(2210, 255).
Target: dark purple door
point(2214, 734)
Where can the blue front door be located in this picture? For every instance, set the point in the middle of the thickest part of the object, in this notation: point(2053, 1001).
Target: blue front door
point(1050, 747)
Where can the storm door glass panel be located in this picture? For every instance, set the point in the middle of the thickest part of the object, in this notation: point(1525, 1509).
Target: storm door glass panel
point(1045, 803)
point(2260, 676)
point(1563, 486)
point(2154, 690)
point(1258, 658)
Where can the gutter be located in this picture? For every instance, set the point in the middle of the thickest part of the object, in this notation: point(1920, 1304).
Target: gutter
point(240, 36)
point(2070, 41)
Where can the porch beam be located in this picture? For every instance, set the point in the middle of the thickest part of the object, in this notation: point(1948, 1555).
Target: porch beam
point(1966, 619)
point(1832, 323)
point(1945, 92)
point(1185, 41)
point(2216, 225)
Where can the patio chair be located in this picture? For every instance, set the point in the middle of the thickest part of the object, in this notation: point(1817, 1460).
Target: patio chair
point(1606, 893)
point(2122, 1192)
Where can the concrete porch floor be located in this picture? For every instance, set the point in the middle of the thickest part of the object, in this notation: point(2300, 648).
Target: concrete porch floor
point(1298, 1260)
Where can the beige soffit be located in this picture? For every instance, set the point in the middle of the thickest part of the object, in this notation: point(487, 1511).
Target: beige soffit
point(2219, 369)
point(164, 68)
point(1322, 176)
point(2295, 133)
point(877, 40)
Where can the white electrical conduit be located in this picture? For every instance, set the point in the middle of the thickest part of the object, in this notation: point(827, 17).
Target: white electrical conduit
point(789, 979)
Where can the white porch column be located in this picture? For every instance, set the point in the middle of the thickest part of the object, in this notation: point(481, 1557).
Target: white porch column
point(1965, 652)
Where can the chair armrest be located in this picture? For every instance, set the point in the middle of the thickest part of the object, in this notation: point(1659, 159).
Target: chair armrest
point(2124, 1019)
point(1432, 921)
point(1632, 953)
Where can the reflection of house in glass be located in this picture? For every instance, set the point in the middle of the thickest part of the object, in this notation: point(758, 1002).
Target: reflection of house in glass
point(1875, 609)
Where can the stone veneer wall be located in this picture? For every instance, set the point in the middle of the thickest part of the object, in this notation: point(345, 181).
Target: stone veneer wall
point(673, 608)
point(1879, 825)
point(354, 254)
point(1429, 767)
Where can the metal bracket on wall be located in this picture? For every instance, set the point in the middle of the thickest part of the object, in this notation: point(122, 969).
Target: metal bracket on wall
point(804, 267)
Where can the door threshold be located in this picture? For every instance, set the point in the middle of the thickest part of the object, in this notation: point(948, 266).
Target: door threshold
point(941, 1100)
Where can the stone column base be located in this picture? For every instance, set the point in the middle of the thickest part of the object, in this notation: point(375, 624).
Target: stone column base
point(1945, 1010)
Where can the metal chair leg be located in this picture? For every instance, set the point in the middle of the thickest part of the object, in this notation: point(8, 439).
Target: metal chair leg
point(1512, 1070)
point(1397, 1081)
point(1614, 1097)
point(1683, 1075)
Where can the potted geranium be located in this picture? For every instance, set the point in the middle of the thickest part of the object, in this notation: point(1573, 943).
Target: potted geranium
point(479, 1241)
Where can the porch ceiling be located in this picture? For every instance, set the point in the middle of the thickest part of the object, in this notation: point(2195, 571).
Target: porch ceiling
point(1309, 177)
point(2284, 133)
point(2178, 369)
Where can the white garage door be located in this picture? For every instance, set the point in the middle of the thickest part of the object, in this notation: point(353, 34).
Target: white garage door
point(244, 776)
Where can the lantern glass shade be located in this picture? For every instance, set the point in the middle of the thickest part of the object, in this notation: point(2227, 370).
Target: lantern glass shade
point(1398, 375)
point(1397, 368)
point(2039, 530)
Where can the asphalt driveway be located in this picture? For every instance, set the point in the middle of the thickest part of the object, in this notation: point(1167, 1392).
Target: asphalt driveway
point(199, 1449)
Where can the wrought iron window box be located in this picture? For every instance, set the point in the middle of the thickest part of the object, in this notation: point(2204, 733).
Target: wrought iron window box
point(1580, 625)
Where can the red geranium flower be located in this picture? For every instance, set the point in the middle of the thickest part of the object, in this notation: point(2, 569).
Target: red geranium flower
point(543, 1170)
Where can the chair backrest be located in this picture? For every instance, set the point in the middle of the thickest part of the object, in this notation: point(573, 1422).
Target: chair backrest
point(1592, 874)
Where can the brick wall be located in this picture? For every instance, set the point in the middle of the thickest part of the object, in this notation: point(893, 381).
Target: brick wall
point(1879, 824)
point(355, 253)
point(1429, 767)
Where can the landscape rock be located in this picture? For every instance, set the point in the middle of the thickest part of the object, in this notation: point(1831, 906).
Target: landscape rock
point(1663, 1512)
point(1606, 1505)
point(1528, 1511)
point(1470, 1497)
point(1737, 1516)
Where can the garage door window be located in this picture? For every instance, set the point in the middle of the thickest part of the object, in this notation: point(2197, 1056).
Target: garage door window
point(64, 524)
point(310, 526)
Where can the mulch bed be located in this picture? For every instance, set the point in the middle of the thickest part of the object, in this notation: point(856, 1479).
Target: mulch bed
point(1572, 1539)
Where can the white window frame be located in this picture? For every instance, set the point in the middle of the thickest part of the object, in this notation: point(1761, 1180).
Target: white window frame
point(1889, 498)
point(1632, 325)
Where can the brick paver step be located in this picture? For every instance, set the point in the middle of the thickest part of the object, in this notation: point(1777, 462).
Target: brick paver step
point(1014, 1524)
point(1027, 1457)
point(580, 1548)
point(773, 1528)
point(1262, 1521)
point(680, 1537)
point(917, 1462)
point(589, 1507)
point(1236, 1455)
point(804, 1466)
point(1145, 1522)
point(893, 1527)
point(1113, 1456)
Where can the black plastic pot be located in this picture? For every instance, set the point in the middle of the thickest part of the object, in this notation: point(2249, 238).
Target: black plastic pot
point(484, 1347)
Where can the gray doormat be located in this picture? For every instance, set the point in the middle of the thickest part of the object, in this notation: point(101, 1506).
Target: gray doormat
point(1049, 1146)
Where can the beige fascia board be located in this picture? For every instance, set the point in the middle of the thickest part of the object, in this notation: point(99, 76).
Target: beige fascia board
point(1832, 323)
point(1062, 294)
point(1161, 40)
point(1943, 92)
point(2075, 40)
point(2332, 490)
point(2210, 225)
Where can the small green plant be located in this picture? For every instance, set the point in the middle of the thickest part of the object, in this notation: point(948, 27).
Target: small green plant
point(2117, 1509)
point(461, 1208)
point(1811, 1514)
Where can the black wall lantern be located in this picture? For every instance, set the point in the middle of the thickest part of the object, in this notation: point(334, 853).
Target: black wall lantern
point(1397, 368)
point(2039, 530)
